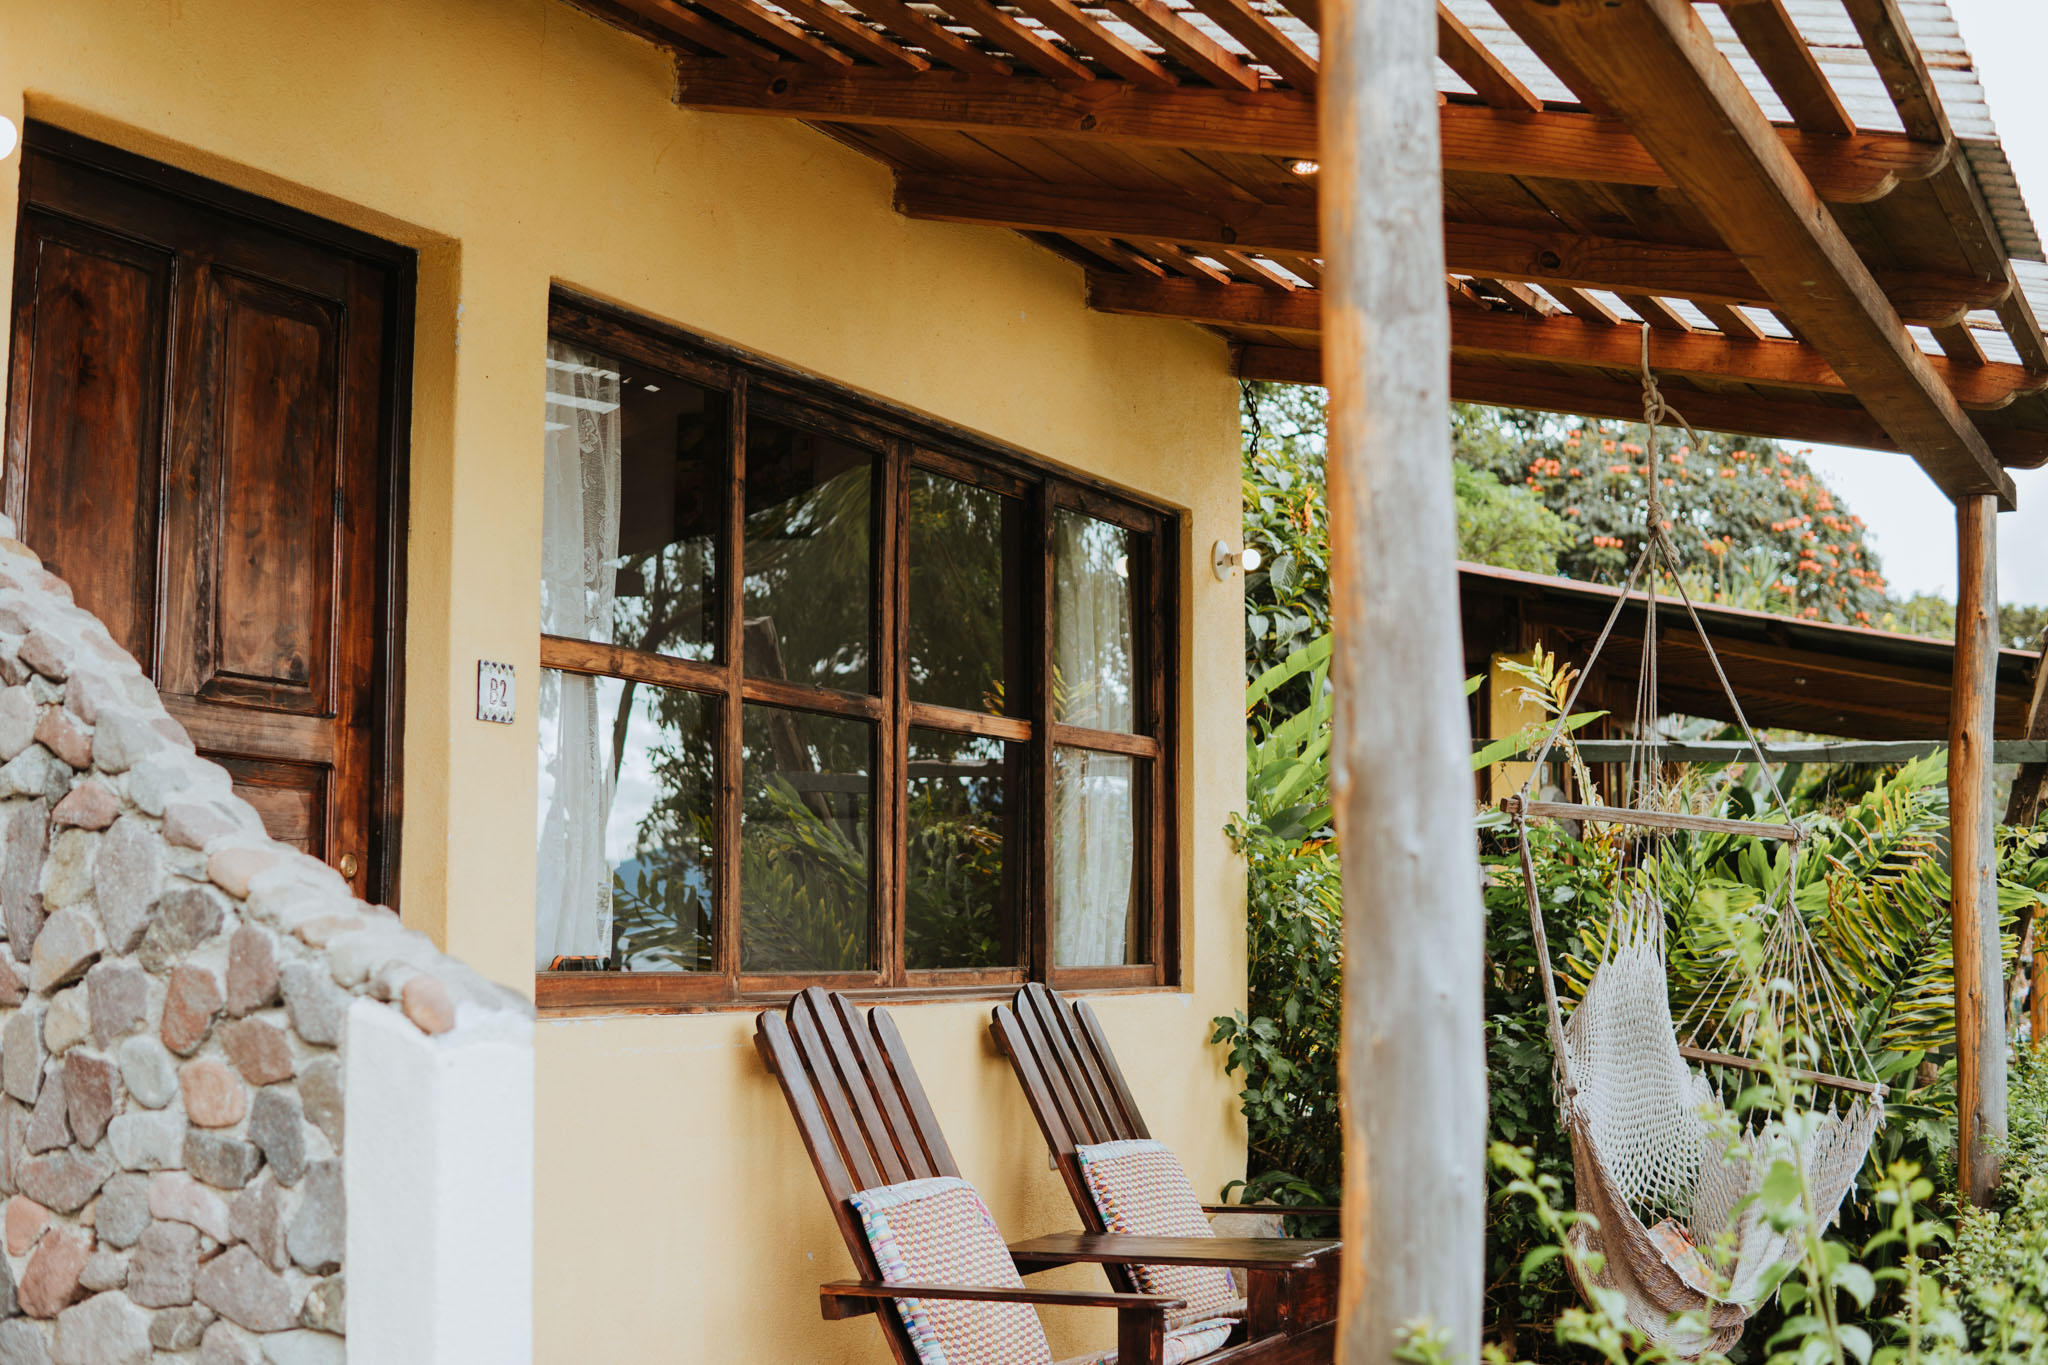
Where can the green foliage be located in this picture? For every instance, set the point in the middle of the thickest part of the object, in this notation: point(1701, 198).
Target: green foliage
point(1505, 526)
point(1287, 598)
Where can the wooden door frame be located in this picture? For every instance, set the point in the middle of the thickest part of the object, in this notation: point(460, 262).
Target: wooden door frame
point(393, 446)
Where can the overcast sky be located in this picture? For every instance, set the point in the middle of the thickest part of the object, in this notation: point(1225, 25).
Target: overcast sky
point(1909, 520)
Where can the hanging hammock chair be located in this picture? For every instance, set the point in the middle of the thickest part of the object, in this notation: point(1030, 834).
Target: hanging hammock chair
point(1666, 1174)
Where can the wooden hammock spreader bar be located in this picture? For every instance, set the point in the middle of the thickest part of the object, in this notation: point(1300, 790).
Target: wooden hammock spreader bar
point(1700, 1054)
point(1647, 819)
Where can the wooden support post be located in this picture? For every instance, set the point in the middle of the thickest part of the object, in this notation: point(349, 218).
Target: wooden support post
point(1973, 866)
point(1413, 1062)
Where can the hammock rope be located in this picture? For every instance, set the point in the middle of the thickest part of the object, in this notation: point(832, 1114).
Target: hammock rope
point(1673, 1219)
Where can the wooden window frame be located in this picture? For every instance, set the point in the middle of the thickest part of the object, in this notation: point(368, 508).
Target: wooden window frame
point(905, 441)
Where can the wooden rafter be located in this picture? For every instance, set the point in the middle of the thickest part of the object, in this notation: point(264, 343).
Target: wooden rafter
point(1194, 49)
point(1561, 258)
point(1588, 395)
point(941, 42)
point(1479, 67)
point(1066, 19)
point(1562, 340)
point(1657, 65)
point(1772, 38)
point(669, 22)
point(1476, 139)
point(1264, 41)
point(1897, 57)
point(1019, 40)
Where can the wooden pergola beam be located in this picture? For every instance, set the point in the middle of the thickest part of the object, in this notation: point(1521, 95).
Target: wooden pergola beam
point(1560, 340)
point(1586, 395)
point(1477, 139)
point(1657, 65)
point(1564, 259)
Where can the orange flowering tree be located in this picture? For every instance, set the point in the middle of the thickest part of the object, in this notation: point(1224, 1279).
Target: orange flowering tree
point(1753, 524)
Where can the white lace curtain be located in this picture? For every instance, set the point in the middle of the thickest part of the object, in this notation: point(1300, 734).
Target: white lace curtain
point(579, 572)
point(1094, 826)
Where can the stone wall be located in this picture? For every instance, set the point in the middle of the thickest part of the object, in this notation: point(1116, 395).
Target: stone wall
point(175, 993)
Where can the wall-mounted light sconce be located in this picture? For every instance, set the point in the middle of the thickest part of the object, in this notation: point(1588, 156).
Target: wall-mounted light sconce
point(10, 137)
point(1223, 559)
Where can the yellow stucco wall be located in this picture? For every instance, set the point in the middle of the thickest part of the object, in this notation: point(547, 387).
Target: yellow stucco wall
point(518, 142)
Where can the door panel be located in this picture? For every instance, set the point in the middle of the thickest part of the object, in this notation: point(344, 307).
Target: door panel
point(200, 439)
point(95, 342)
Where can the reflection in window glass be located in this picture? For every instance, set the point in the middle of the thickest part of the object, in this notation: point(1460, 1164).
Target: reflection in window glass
point(806, 836)
point(808, 591)
point(627, 824)
point(1093, 648)
point(1094, 859)
point(635, 476)
point(965, 831)
point(966, 581)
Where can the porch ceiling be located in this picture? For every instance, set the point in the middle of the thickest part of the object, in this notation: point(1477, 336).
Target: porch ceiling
point(1861, 276)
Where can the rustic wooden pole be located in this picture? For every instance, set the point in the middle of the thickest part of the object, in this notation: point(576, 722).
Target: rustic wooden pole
point(1414, 1083)
point(1973, 866)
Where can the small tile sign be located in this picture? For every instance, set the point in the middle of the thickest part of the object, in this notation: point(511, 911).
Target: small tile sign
point(494, 698)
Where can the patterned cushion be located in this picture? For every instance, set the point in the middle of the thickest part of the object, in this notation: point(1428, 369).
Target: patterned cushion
point(1187, 1343)
point(938, 1231)
point(1140, 1189)
point(1682, 1254)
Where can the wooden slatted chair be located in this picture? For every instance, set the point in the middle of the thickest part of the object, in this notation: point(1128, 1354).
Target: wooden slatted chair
point(867, 1125)
point(1077, 1093)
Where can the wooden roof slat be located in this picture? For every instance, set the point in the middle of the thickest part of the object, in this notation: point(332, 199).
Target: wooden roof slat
point(1516, 298)
point(1193, 48)
point(778, 32)
point(853, 35)
point(1960, 344)
point(675, 20)
point(1731, 322)
point(1182, 261)
point(1659, 67)
point(1584, 304)
point(1558, 339)
point(1066, 19)
point(1781, 52)
point(944, 44)
point(1559, 258)
point(1264, 41)
point(1558, 146)
point(1030, 48)
point(1260, 272)
point(1112, 250)
point(1653, 310)
point(1478, 67)
point(1587, 394)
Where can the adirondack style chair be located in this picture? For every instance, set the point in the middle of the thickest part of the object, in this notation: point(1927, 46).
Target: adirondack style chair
point(930, 1265)
point(1092, 1125)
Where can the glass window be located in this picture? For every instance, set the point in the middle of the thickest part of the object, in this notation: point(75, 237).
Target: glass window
point(1094, 652)
point(935, 759)
point(965, 836)
point(805, 839)
point(628, 824)
point(966, 591)
point(635, 491)
point(1094, 859)
point(809, 604)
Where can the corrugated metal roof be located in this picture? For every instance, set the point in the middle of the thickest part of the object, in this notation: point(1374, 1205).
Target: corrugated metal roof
point(1836, 46)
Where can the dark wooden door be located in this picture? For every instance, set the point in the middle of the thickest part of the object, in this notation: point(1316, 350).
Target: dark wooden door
point(200, 436)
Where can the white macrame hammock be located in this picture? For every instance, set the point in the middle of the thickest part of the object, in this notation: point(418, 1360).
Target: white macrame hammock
point(1668, 1188)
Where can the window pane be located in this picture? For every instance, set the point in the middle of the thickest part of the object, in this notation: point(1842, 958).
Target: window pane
point(628, 784)
point(635, 481)
point(1093, 649)
point(966, 580)
point(805, 839)
point(1094, 859)
point(808, 590)
point(965, 834)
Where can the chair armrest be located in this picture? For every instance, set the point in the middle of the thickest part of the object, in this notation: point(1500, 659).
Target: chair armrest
point(1249, 1253)
point(1140, 1318)
point(1286, 1210)
point(846, 1294)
